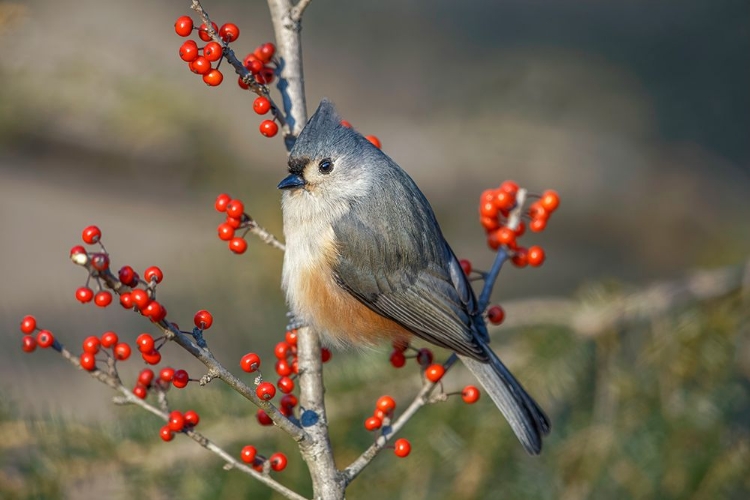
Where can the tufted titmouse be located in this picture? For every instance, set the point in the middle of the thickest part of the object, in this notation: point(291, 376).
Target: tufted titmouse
point(366, 261)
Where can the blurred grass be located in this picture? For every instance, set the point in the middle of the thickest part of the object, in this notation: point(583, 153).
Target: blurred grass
point(655, 411)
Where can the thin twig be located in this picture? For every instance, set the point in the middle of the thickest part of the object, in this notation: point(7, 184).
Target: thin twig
point(422, 398)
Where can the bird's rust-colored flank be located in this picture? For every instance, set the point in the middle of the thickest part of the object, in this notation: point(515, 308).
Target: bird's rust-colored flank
point(338, 313)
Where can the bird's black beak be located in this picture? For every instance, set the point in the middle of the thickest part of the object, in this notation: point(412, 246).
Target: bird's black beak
point(291, 181)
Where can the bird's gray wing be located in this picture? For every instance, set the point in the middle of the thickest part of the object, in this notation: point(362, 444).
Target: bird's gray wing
point(407, 273)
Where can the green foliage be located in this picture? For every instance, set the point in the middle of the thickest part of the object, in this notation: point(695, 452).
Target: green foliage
point(651, 411)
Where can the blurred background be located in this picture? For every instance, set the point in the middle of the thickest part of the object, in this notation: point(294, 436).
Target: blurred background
point(637, 113)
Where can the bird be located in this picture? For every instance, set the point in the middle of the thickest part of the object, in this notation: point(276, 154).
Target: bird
point(366, 262)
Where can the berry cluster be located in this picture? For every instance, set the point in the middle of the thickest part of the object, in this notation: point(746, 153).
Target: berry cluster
point(212, 52)
point(236, 219)
point(276, 462)
point(261, 64)
point(43, 338)
point(495, 206)
point(399, 354)
point(178, 422)
point(381, 417)
point(286, 367)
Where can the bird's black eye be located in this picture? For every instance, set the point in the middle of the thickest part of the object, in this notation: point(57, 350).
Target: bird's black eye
point(325, 166)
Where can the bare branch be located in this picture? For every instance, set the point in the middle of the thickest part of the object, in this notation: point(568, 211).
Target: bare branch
point(291, 77)
point(262, 233)
point(299, 9)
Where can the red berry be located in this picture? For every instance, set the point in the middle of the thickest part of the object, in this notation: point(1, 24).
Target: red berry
point(520, 229)
point(489, 223)
point(145, 377)
point(166, 374)
point(283, 368)
point(126, 275)
point(261, 105)
point(109, 339)
point(470, 394)
point(521, 257)
point(213, 51)
point(166, 433)
point(536, 256)
point(282, 350)
point(189, 51)
point(285, 385)
point(401, 448)
point(397, 359)
point(325, 354)
point(180, 379)
point(250, 362)
point(122, 351)
point(374, 140)
point(465, 266)
point(183, 26)
point(506, 236)
point(291, 337)
point(28, 343)
point(278, 461)
point(265, 391)
point(385, 404)
point(238, 245)
point(151, 357)
point(140, 298)
point(538, 225)
point(126, 300)
point(509, 187)
point(91, 344)
point(203, 32)
point(242, 83)
point(213, 78)
point(155, 311)
point(100, 261)
point(145, 342)
point(203, 319)
point(263, 418)
point(226, 232)
point(434, 373)
point(289, 401)
point(504, 200)
point(537, 211)
point(235, 208)
point(373, 423)
point(200, 65)
point(88, 361)
point(346, 124)
point(265, 76)
point(28, 324)
point(550, 200)
point(424, 357)
point(488, 209)
point(268, 128)
point(248, 454)
point(44, 339)
point(234, 222)
point(265, 52)
point(76, 250)
point(496, 315)
point(91, 235)
point(221, 202)
point(140, 391)
point(255, 65)
point(176, 421)
point(153, 273)
point(191, 418)
point(84, 294)
point(229, 32)
point(103, 298)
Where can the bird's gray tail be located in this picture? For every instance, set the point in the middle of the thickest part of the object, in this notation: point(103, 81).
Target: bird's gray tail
point(525, 417)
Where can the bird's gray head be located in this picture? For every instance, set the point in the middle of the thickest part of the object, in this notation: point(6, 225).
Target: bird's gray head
point(330, 162)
